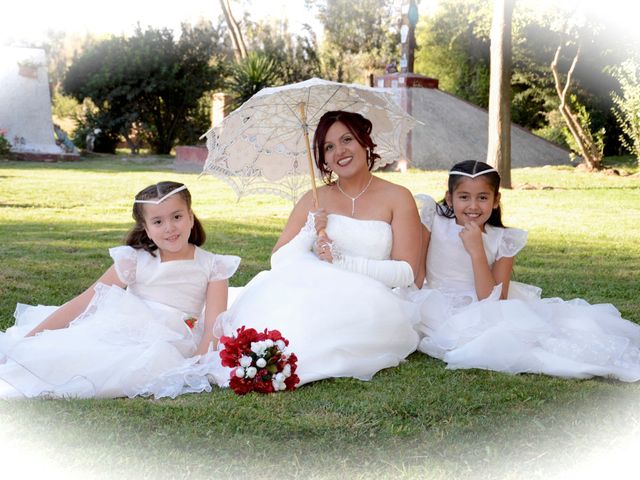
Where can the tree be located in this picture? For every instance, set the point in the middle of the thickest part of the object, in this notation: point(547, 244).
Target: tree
point(149, 81)
point(454, 46)
point(627, 105)
point(499, 147)
point(235, 32)
point(360, 36)
point(296, 56)
point(590, 150)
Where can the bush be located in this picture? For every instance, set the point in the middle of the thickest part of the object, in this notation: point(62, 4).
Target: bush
point(251, 75)
point(102, 126)
point(149, 82)
point(5, 145)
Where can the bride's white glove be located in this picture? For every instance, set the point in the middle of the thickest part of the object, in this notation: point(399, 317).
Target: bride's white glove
point(299, 244)
point(393, 273)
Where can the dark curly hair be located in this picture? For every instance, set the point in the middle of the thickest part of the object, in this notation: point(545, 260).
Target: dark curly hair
point(472, 167)
point(137, 237)
point(358, 125)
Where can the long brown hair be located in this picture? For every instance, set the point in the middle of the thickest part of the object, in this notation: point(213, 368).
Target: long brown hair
point(137, 237)
point(358, 125)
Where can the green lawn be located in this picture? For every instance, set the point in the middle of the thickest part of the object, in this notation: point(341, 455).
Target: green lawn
point(415, 421)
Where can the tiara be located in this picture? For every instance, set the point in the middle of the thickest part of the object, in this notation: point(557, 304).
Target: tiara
point(160, 200)
point(472, 175)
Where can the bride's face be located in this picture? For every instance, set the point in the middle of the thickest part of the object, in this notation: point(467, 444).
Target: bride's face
point(342, 152)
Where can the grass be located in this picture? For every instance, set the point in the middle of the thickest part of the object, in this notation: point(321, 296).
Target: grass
point(415, 421)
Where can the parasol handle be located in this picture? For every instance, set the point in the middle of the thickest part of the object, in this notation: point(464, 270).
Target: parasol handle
point(305, 131)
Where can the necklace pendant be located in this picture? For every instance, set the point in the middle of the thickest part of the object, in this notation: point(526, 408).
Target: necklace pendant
point(353, 199)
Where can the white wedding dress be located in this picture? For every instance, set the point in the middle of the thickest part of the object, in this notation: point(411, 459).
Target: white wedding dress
point(339, 323)
point(522, 334)
point(127, 342)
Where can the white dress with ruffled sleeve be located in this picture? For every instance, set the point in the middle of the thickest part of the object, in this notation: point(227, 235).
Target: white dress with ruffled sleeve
point(524, 333)
point(134, 341)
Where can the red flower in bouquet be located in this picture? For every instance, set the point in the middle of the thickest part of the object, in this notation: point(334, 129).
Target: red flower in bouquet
point(260, 361)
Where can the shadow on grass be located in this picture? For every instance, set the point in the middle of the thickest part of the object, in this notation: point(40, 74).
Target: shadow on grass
point(102, 164)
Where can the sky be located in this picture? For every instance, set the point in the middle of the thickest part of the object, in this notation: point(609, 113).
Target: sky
point(30, 19)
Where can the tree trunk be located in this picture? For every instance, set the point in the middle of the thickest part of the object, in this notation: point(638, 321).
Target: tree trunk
point(499, 146)
point(591, 154)
point(239, 47)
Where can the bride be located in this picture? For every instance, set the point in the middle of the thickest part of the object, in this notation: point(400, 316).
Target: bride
point(329, 290)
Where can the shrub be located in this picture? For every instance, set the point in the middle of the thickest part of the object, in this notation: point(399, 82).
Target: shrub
point(5, 145)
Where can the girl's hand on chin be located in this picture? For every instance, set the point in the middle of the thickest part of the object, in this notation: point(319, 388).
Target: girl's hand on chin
point(471, 236)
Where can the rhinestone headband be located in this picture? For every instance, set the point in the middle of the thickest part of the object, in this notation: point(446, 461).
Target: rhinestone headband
point(160, 200)
point(472, 175)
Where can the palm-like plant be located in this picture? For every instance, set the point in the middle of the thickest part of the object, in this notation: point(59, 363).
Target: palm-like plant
point(251, 75)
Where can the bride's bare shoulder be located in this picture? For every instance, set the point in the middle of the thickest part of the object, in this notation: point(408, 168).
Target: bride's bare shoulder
point(394, 190)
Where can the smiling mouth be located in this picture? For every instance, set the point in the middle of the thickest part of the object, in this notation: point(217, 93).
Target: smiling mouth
point(172, 238)
point(344, 161)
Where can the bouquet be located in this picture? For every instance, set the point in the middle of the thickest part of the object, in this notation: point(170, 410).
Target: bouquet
point(260, 361)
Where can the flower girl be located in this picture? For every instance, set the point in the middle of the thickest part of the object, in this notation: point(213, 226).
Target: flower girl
point(141, 328)
point(473, 316)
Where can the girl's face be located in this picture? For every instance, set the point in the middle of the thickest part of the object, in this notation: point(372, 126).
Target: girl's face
point(169, 225)
point(342, 152)
point(473, 201)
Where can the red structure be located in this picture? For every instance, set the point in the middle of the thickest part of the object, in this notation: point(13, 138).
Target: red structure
point(190, 157)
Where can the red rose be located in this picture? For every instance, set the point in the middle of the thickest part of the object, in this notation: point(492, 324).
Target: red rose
point(291, 381)
point(240, 386)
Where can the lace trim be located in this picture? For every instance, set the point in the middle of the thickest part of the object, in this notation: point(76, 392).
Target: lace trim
point(125, 260)
point(223, 267)
point(336, 254)
point(309, 227)
point(513, 240)
point(427, 208)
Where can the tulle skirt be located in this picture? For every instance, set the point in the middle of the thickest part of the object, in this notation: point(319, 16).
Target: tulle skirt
point(339, 323)
point(121, 346)
point(525, 333)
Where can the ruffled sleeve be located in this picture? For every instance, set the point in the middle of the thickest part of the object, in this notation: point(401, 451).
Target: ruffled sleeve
point(513, 240)
point(427, 208)
point(125, 259)
point(223, 266)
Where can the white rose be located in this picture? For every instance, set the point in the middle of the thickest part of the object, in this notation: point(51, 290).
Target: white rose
point(261, 363)
point(277, 386)
point(257, 348)
point(281, 346)
point(268, 343)
point(251, 372)
point(245, 361)
point(280, 377)
point(240, 372)
point(287, 370)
